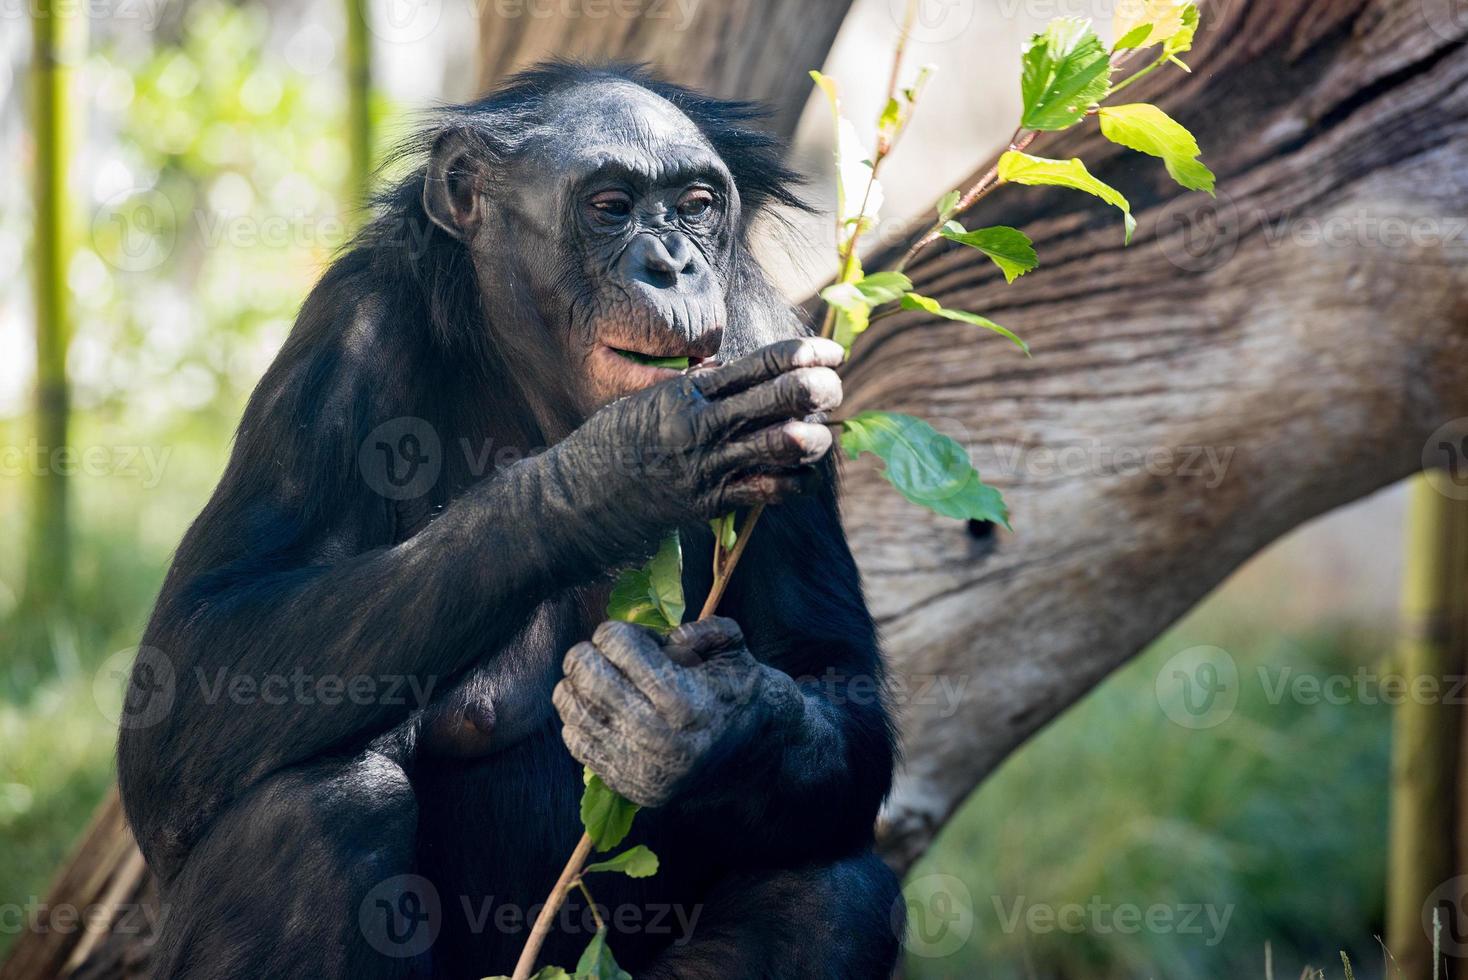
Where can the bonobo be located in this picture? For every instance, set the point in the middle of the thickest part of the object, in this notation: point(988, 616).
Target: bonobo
point(400, 582)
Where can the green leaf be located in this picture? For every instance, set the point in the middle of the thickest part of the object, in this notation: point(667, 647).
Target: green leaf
point(1182, 39)
point(912, 301)
point(1066, 70)
point(665, 579)
point(890, 118)
point(635, 862)
point(1133, 38)
point(1147, 129)
point(606, 816)
point(597, 963)
point(724, 531)
point(1021, 168)
point(1162, 19)
point(948, 205)
point(632, 602)
point(833, 96)
point(926, 467)
point(882, 287)
point(652, 595)
point(1010, 248)
point(853, 313)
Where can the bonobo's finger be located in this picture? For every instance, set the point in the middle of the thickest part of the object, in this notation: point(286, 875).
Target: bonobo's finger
point(596, 708)
point(782, 446)
point(607, 693)
point(693, 643)
point(792, 395)
point(767, 488)
point(766, 363)
point(641, 658)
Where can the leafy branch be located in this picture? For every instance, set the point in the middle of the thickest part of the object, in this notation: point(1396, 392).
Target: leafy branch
point(1067, 77)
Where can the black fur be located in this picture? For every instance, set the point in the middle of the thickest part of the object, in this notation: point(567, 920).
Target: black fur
point(280, 831)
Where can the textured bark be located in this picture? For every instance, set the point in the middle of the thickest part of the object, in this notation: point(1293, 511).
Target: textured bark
point(1288, 325)
point(1286, 328)
point(744, 49)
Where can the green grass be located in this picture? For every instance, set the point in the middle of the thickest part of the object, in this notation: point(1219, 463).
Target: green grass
point(1276, 818)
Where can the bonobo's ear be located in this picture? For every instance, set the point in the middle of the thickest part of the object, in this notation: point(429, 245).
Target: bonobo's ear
point(453, 184)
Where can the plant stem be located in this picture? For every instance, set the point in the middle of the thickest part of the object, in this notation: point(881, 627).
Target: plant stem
point(590, 903)
point(1127, 81)
point(724, 570)
point(547, 917)
point(980, 189)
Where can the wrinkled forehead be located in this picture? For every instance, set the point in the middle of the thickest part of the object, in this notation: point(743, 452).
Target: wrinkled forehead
point(620, 126)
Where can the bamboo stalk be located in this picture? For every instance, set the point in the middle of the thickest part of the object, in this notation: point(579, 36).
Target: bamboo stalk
point(59, 39)
point(359, 102)
point(1427, 757)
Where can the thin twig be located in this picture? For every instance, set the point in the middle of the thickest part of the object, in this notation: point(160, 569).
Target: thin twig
point(547, 917)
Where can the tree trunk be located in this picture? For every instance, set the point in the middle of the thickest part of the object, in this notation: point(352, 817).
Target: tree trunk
point(1310, 329)
point(734, 49)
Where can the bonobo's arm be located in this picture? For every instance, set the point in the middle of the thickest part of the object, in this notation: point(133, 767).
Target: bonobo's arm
point(774, 768)
point(374, 624)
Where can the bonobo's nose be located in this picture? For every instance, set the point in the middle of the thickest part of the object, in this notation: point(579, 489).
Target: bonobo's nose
point(659, 260)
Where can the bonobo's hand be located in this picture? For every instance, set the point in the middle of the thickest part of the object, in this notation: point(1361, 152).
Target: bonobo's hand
point(699, 445)
point(653, 717)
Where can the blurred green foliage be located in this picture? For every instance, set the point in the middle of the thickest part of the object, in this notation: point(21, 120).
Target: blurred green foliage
point(213, 174)
point(1275, 819)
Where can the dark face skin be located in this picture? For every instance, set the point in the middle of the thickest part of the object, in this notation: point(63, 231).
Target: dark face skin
point(626, 219)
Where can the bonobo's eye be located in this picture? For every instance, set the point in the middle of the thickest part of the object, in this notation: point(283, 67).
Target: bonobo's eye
point(696, 204)
point(611, 207)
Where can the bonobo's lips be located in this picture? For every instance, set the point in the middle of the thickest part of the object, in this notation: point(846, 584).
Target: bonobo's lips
point(627, 366)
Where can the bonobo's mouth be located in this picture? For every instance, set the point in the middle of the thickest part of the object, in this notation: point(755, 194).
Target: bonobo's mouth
point(620, 369)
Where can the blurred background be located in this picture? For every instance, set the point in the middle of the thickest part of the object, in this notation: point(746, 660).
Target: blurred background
point(212, 175)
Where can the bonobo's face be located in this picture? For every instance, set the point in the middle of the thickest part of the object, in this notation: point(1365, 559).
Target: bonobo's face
point(616, 221)
point(641, 212)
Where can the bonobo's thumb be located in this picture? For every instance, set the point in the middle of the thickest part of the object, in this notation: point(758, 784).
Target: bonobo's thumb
point(693, 643)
